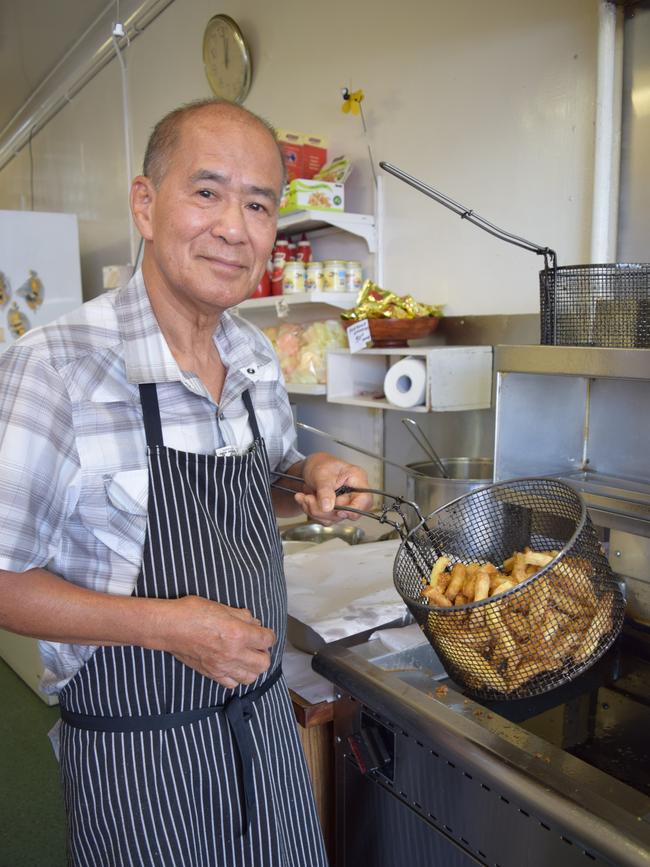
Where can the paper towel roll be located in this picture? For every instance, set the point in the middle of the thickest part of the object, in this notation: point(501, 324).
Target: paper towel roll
point(405, 383)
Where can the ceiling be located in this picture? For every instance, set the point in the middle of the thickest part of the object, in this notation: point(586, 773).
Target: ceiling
point(34, 36)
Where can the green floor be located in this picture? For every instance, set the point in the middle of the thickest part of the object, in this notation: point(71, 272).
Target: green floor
point(32, 832)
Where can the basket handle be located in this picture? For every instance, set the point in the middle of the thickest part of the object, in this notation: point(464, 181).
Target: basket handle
point(550, 257)
point(387, 508)
point(420, 562)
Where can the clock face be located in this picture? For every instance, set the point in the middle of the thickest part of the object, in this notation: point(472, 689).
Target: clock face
point(227, 59)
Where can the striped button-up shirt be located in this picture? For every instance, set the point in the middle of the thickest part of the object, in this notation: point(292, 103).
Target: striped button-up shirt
point(73, 464)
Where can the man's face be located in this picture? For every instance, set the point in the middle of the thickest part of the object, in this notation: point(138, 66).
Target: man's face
point(212, 221)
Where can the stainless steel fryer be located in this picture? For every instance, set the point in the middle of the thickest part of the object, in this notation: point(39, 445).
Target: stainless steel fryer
point(426, 775)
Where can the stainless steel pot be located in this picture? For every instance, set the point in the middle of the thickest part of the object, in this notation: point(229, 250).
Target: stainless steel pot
point(424, 485)
point(430, 491)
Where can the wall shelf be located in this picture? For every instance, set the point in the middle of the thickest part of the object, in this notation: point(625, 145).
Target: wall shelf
point(362, 225)
point(277, 303)
point(379, 403)
point(457, 377)
point(299, 307)
point(306, 388)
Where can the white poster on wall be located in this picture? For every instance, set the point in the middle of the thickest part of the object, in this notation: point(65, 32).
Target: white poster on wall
point(40, 273)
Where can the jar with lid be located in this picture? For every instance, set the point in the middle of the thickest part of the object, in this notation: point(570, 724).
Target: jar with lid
point(314, 277)
point(293, 279)
point(353, 276)
point(334, 275)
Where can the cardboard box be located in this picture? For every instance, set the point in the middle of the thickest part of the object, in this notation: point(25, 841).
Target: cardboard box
point(308, 194)
point(291, 145)
point(314, 155)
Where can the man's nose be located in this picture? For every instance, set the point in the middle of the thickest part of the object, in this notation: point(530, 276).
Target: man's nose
point(230, 223)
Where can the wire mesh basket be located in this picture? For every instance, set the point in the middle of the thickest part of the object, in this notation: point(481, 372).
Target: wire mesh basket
point(581, 305)
point(596, 305)
point(539, 630)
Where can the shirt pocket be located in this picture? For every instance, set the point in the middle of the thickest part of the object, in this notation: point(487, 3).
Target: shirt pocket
point(114, 510)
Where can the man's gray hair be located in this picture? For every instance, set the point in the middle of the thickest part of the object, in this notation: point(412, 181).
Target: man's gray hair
point(165, 135)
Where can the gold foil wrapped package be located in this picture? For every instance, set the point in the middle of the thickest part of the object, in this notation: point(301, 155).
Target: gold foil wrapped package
point(376, 303)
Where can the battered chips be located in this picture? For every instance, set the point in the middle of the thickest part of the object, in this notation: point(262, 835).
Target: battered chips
point(554, 621)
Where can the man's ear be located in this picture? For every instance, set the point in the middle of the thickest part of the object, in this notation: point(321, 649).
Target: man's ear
point(142, 199)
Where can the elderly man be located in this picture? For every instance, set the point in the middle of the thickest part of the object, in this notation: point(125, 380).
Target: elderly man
point(138, 541)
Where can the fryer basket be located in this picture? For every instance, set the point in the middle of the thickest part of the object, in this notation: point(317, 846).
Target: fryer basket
point(545, 631)
point(580, 305)
point(596, 305)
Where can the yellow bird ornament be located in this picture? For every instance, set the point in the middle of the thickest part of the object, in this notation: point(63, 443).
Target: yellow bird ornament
point(351, 101)
point(17, 321)
point(5, 291)
point(32, 291)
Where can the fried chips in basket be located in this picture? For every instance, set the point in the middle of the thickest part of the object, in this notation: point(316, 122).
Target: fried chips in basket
point(525, 626)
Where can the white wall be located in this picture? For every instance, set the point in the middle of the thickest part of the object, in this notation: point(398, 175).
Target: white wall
point(493, 103)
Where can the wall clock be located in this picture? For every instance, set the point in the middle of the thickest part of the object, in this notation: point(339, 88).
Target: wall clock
point(227, 59)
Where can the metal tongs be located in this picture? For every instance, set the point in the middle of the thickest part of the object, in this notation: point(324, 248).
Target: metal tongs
point(401, 525)
point(422, 440)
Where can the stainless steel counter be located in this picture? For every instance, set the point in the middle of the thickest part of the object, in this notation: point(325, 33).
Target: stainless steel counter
point(467, 783)
point(574, 361)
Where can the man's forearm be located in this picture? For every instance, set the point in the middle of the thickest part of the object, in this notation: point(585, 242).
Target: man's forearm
point(42, 605)
point(226, 644)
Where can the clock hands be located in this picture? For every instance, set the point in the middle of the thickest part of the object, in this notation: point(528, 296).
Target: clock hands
point(225, 48)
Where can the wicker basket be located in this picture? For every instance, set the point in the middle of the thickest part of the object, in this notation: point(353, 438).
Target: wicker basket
point(545, 631)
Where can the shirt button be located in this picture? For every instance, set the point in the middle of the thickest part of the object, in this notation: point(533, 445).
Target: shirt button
point(221, 416)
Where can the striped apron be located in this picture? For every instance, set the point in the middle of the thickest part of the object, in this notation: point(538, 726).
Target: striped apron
point(161, 765)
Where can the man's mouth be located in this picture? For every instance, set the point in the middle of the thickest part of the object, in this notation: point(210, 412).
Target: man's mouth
point(229, 264)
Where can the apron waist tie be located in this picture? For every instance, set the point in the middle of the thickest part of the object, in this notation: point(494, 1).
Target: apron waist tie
point(238, 711)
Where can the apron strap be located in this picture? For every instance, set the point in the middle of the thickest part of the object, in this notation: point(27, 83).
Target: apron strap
point(252, 420)
point(238, 712)
point(151, 414)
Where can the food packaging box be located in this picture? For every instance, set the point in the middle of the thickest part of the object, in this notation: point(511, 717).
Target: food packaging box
point(312, 195)
point(291, 145)
point(314, 155)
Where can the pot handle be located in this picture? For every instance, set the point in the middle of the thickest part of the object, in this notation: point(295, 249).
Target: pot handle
point(362, 451)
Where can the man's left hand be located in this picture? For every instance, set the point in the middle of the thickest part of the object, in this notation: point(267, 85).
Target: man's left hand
point(323, 474)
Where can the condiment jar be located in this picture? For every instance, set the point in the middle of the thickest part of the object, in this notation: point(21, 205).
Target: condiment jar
point(334, 275)
point(353, 276)
point(314, 277)
point(293, 279)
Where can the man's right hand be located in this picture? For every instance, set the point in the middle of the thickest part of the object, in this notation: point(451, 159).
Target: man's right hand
point(225, 644)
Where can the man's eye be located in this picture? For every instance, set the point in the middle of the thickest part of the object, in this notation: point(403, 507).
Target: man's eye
point(259, 207)
point(206, 194)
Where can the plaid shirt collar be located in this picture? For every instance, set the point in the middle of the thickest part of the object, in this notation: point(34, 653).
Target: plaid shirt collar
point(148, 358)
